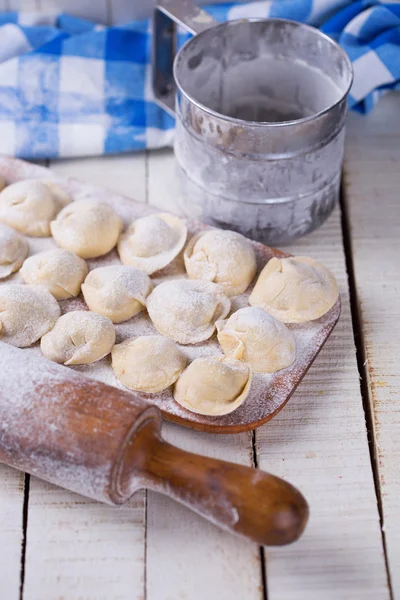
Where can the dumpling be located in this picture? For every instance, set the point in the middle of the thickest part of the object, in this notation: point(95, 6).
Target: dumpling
point(295, 290)
point(152, 242)
point(150, 363)
point(13, 251)
point(87, 227)
point(213, 387)
point(60, 271)
point(117, 292)
point(79, 337)
point(60, 195)
point(224, 257)
point(27, 312)
point(186, 311)
point(257, 338)
point(2, 183)
point(28, 206)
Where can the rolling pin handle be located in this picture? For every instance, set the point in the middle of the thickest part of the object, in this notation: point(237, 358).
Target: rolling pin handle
point(240, 499)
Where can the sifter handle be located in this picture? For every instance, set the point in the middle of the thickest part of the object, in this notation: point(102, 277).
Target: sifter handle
point(167, 15)
point(240, 499)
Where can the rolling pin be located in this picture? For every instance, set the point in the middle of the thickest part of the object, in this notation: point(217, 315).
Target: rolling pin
point(106, 444)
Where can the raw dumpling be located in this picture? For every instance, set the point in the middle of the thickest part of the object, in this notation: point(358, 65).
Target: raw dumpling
point(28, 206)
point(60, 271)
point(213, 387)
point(224, 257)
point(116, 292)
point(150, 363)
point(27, 312)
point(87, 227)
point(13, 251)
point(186, 310)
point(295, 289)
point(152, 242)
point(254, 336)
point(79, 337)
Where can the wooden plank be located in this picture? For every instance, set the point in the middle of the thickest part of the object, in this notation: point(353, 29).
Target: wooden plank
point(11, 534)
point(12, 496)
point(77, 548)
point(186, 556)
point(372, 179)
point(319, 443)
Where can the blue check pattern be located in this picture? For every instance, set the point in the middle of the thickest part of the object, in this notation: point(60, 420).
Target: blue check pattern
point(69, 87)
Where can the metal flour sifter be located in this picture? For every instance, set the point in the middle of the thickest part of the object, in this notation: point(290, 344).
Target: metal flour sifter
point(260, 108)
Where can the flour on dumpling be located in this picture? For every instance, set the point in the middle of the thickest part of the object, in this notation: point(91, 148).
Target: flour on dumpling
point(224, 257)
point(213, 387)
point(186, 310)
point(148, 363)
point(295, 289)
point(60, 271)
point(13, 251)
point(257, 338)
point(87, 227)
point(27, 312)
point(28, 206)
point(79, 337)
point(151, 243)
point(117, 292)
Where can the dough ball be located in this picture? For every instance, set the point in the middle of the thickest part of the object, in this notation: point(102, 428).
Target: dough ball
point(60, 271)
point(116, 292)
point(186, 310)
point(2, 183)
point(60, 195)
point(295, 290)
point(28, 206)
point(150, 363)
point(13, 251)
point(224, 257)
point(27, 312)
point(213, 387)
point(87, 227)
point(152, 242)
point(257, 338)
point(79, 337)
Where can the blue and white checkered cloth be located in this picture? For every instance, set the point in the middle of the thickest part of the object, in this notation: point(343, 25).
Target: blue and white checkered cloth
point(71, 88)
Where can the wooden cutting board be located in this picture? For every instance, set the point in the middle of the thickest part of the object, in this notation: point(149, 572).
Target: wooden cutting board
point(269, 392)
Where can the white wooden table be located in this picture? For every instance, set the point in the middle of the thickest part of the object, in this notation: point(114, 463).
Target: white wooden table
point(337, 440)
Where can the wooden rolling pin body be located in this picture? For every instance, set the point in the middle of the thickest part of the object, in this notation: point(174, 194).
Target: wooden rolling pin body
point(106, 444)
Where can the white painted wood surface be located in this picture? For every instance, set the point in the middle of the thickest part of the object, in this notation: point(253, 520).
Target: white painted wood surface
point(11, 534)
point(190, 558)
point(372, 184)
point(319, 443)
point(77, 549)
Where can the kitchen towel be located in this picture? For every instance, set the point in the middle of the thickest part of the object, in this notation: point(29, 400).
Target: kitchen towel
point(69, 87)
